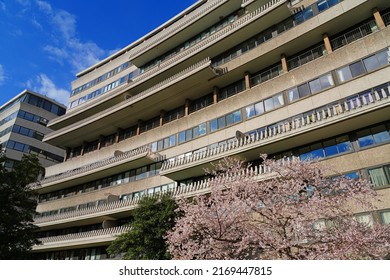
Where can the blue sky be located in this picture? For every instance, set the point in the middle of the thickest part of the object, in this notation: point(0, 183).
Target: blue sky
point(43, 44)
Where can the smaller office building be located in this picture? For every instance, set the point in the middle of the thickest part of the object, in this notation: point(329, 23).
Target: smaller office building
point(23, 124)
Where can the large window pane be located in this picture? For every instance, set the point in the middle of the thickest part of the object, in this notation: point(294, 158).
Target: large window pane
point(259, 108)
point(315, 86)
point(330, 148)
point(303, 90)
point(385, 217)
point(292, 94)
point(213, 125)
point(250, 111)
point(268, 104)
point(378, 177)
point(357, 69)
point(344, 74)
point(380, 134)
point(365, 138)
point(236, 116)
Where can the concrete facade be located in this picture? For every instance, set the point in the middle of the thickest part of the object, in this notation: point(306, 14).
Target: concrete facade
point(294, 82)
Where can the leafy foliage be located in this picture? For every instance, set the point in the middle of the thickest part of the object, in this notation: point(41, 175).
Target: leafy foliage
point(18, 203)
point(293, 213)
point(145, 240)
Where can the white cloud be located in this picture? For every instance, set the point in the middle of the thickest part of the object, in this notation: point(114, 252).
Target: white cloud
point(2, 6)
point(46, 86)
point(2, 75)
point(44, 6)
point(69, 48)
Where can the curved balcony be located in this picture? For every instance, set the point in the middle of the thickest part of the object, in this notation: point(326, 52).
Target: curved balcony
point(121, 160)
point(178, 168)
point(125, 206)
point(88, 125)
point(175, 28)
point(82, 238)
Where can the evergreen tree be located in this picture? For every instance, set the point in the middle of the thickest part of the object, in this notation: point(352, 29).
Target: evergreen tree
point(17, 207)
point(151, 221)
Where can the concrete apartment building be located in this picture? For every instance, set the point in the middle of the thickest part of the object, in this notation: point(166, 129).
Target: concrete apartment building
point(23, 124)
point(305, 78)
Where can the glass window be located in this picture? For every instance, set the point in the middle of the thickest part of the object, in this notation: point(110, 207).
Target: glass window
point(385, 217)
point(303, 90)
point(292, 94)
point(315, 86)
point(330, 147)
point(365, 218)
point(213, 125)
point(278, 100)
point(259, 108)
point(380, 134)
point(380, 176)
point(365, 138)
point(202, 129)
point(236, 116)
point(250, 111)
point(188, 134)
point(229, 119)
point(343, 144)
point(172, 140)
point(268, 104)
point(357, 69)
point(344, 74)
point(182, 136)
point(221, 122)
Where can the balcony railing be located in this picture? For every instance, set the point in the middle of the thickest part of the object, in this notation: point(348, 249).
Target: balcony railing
point(110, 232)
point(353, 35)
point(225, 32)
point(386, 18)
point(306, 57)
point(175, 27)
point(188, 190)
point(123, 156)
point(347, 108)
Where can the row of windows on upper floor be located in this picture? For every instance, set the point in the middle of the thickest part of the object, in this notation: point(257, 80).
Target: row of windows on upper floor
point(23, 131)
point(117, 179)
point(194, 40)
point(101, 91)
point(378, 175)
point(274, 31)
point(326, 81)
point(351, 102)
point(36, 101)
point(26, 148)
point(296, 19)
point(100, 79)
point(353, 141)
point(23, 115)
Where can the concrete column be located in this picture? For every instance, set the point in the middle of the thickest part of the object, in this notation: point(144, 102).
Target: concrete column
point(378, 18)
point(119, 131)
point(140, 122)
point(247, 80)
point(67, 153)
point(284, 63)
point(162, 115)
point(100, 143)
point(215, 95)
point(82, 148)
point(187, 107)
point(328, 46)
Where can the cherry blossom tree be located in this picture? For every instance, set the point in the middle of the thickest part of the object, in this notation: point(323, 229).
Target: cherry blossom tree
point(290, 211)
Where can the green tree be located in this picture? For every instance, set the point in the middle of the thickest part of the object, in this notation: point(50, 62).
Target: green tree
point(145, 240)
point(17, 207)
